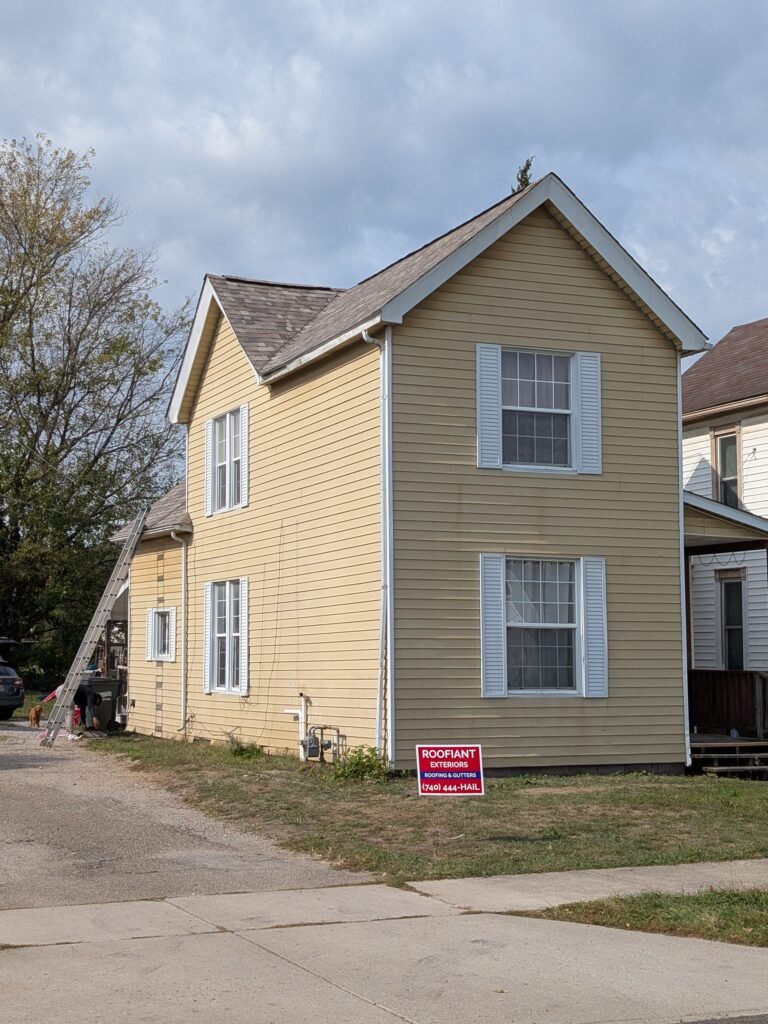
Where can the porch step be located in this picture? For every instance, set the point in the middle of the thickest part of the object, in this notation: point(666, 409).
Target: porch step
point(730, 769)
point(729, 756)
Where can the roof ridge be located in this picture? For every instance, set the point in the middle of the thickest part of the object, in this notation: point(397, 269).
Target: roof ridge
point(239, 279)
point(748, 323)
point(450, 231)
point(408, 255)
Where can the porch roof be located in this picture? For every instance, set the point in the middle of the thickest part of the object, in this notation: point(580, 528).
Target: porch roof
point(711, 526)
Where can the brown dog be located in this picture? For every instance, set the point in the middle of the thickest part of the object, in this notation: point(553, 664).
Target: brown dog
point(34, 715)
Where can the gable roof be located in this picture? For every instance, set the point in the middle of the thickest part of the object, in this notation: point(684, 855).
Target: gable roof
point(265, 315)
point(168, 513)
point(387, 296)
point(734, 370)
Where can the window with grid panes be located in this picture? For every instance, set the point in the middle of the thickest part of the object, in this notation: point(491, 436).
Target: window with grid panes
point(226, 635)
point(536, 409)
point(540, 624)
point(226, 452)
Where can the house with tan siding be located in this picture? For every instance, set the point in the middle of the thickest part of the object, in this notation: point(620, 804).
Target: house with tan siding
point(441, 506)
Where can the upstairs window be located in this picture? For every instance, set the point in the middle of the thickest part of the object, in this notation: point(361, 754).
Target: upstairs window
point(727, 468)
point(538, 411)
point(226, 461)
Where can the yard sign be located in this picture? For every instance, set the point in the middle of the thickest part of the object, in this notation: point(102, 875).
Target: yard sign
point(450, 770)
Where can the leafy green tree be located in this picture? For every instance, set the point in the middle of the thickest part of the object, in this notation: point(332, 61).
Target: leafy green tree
point(87, 361)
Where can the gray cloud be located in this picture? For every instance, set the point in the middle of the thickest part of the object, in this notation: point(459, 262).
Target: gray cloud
point(317, 141)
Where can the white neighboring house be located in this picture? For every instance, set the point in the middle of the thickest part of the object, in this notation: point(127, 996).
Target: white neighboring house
point(725, 458)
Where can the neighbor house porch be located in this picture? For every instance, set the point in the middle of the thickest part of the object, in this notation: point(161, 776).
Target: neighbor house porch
point(734, 697)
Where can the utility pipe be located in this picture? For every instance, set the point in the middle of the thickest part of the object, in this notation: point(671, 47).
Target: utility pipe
point(183, 696)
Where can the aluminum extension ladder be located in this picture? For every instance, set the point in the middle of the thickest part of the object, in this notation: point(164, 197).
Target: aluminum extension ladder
point(92, 636)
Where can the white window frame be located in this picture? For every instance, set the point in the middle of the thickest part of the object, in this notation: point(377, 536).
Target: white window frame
point(153, 634)
point(571, 412)
point(235, 455)
point(585, 429)
point(235, 641)
point(577, 690)
point(591, 633)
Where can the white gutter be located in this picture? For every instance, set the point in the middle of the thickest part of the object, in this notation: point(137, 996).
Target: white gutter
point(183, 694)
point(683, 559)
point(387, 533)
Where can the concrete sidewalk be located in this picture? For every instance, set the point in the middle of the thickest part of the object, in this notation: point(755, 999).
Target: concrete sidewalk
point(513, 893)
point(357, 954)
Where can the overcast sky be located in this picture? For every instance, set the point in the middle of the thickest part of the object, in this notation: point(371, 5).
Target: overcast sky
point(316, 141)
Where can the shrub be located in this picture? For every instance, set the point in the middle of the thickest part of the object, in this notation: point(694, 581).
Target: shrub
point(362, 764)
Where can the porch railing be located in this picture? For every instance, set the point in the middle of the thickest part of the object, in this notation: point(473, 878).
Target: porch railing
point(719, 701)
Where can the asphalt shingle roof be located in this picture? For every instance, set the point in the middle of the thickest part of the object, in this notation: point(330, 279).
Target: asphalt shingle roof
point(277, 323)
point(735, 369)
point(266, 315)
point(166, 514)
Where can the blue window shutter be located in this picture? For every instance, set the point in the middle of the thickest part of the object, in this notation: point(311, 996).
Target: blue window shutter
point(209, 467)
point(489, 406)
point(207, 649)
point(244, 636)
point(590, 456)
point(595, 628)
point(244, 446)
point(493, 638)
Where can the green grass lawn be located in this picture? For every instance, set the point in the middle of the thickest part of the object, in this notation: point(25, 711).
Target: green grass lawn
point(724, 915)
point(532, 823)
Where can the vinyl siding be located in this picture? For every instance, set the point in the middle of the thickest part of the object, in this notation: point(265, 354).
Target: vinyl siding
point(308, 541)
point(754, 464)
point(705, 589)
point(535, 287)
point(154, 686)
point(697, 461)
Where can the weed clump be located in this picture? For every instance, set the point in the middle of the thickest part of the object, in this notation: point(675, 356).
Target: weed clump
point(244, 751)
point(362, 764)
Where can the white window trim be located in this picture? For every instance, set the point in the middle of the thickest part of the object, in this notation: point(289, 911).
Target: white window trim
point(573, 415)
point(210, 645)
point(583, 461)
point(578, 631)
point(151, 649)
point(211, 481)
point(580, 640)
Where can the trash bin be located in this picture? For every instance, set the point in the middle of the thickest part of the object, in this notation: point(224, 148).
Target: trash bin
point(110, 691)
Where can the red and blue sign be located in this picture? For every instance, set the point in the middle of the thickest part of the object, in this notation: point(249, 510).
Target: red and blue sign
point(450, 770)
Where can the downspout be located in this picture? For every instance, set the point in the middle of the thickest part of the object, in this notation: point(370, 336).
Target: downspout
point(683, 560)
point(183, 696)
point(383, 403)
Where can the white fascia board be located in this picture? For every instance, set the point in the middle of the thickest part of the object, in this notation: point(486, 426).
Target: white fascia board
point(552, 189)
point(207, 296)
point(316, 353)
point(732, 515)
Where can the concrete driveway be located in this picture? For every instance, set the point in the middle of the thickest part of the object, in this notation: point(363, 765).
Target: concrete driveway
point(297, 945)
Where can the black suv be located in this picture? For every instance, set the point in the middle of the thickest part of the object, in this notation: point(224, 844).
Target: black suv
point(11, 691)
